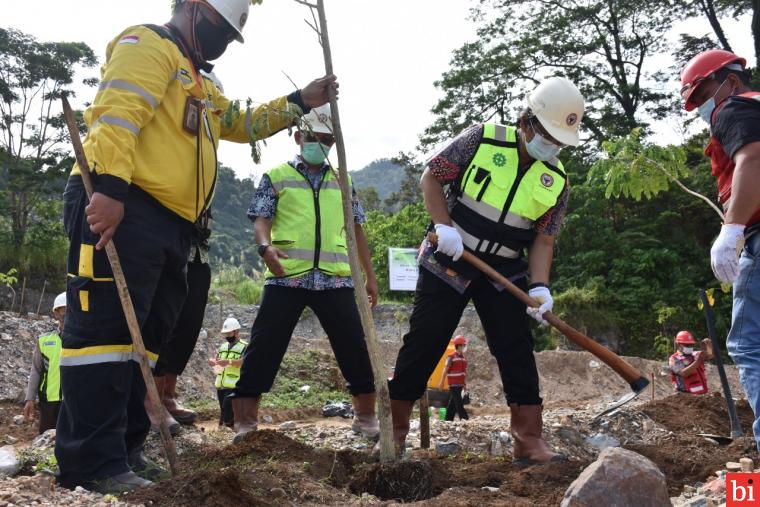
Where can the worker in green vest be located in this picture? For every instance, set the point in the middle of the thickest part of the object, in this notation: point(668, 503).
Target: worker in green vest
point(45, 375)
point(299, 227)
point(507, 194)
point(227, 368)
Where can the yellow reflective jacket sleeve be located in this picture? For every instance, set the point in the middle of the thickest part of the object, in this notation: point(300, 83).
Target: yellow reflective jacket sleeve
point(259, 122)
point(134, 79)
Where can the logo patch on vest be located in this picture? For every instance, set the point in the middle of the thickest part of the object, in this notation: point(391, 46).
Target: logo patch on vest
point(547, 180)
point(499, 159)
point(49, 344)
point(571, 119)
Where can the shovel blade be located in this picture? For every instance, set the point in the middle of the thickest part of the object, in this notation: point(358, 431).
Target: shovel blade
point(640, 387)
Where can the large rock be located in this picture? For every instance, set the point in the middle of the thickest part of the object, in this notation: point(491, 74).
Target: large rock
point(9, 462)
point(619, 478)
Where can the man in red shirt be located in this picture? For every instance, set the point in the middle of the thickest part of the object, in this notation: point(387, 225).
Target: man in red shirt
point(687, 367)
point(455, 372)
point(717, 83)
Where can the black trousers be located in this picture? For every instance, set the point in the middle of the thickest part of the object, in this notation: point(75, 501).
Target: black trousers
point(226, 416)
point(48, 415)
point(177, 349)
point(436, 314)
point(102, 416)
point(455, 405)
point(280, 309)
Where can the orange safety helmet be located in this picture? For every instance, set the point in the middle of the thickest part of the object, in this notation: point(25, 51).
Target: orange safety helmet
point(685, 338)
point(702, 67)
point(460, 340)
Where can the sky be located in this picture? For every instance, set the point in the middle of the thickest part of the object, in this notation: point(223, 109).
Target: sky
point(386, 53)
point(385, 65)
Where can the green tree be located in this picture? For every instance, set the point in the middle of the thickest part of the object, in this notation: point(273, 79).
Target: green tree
point(369, 199)
point(409, 192)
point(33, 137)
point(231, 232)
point(602, 46)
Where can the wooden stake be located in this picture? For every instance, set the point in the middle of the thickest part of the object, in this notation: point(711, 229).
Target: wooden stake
point(387, 448)
point(126, 301)
point(21, 304)
point(39, 305)
point(424, 421)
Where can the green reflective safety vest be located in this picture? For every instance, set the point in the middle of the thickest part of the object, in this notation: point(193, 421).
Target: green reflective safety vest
point(228, 378)
point(499, 201)
point(50, 381)
point(308, 224)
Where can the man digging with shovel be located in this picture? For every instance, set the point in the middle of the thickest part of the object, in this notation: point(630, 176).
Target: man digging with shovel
point(507, 193)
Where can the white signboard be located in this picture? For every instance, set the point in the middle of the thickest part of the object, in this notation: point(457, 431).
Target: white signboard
point(402, 268)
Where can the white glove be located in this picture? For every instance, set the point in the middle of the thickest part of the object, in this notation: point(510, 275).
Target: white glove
point(724, 256)
point(544, 296)
point(449, 241)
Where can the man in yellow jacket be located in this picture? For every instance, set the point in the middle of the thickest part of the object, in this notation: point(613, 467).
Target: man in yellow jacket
point(154, 127)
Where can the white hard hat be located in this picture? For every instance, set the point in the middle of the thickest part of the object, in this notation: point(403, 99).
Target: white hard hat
point(234, 11)
point(231, 324)
point(559, 106)
point(319, 119)
point(59, 301)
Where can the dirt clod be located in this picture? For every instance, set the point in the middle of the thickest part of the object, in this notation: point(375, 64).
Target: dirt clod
point(406, 481)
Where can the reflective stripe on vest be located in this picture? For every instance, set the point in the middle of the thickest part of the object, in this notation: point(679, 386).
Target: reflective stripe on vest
point(722, 166)
point(308, 223)
point(499, 202)
point(228, 378)
point(50, 381)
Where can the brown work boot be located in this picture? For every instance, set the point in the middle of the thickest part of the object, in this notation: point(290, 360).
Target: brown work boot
point(177, 411)
point(174, 426)
point(365, 422)
point(401, 411)
point(529, 446)
point(246, 412)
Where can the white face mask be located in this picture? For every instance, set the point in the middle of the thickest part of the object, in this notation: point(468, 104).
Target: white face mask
point(541, 148)
point(688, 350)
point(707, 108)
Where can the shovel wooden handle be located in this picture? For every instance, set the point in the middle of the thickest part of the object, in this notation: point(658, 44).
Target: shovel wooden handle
point(630, 374)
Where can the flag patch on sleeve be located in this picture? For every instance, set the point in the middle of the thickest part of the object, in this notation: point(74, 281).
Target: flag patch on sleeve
point(129, 39)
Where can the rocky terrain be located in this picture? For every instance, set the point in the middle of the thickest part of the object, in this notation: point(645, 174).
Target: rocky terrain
point(301, 458)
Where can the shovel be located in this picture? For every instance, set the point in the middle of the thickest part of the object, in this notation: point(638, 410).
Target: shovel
point(736, 426)
point(635, 379)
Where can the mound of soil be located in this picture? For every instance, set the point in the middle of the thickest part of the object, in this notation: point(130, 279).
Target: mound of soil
point(684, 413)
point(23, 432)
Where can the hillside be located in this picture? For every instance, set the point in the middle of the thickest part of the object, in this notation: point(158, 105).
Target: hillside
point(382, 174)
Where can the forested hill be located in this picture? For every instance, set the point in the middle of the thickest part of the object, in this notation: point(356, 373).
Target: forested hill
point(383, 175)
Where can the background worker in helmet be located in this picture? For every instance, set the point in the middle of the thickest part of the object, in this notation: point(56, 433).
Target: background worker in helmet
point(178, 347)
point(227, 368)
point(299, 227)
point(687, 366)
point(45, 376)
point(455, 373)
point(153, 130)
point(507, 193)
point(716, 83)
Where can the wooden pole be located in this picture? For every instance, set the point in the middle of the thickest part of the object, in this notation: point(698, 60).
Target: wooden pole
point(21, 304)
point(387, 450)
point(424, 421)
point(126, 301)
point(39, 305)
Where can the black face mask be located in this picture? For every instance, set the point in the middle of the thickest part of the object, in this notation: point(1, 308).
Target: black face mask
point(231, 339)
point(213, 39)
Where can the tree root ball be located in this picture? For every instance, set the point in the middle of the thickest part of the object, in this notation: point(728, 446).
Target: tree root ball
point(405, 481)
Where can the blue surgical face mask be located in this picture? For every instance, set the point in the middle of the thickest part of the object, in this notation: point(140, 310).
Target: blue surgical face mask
point(688, 350)
point(541, 148)
point(314, 153)
point(707, 108)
